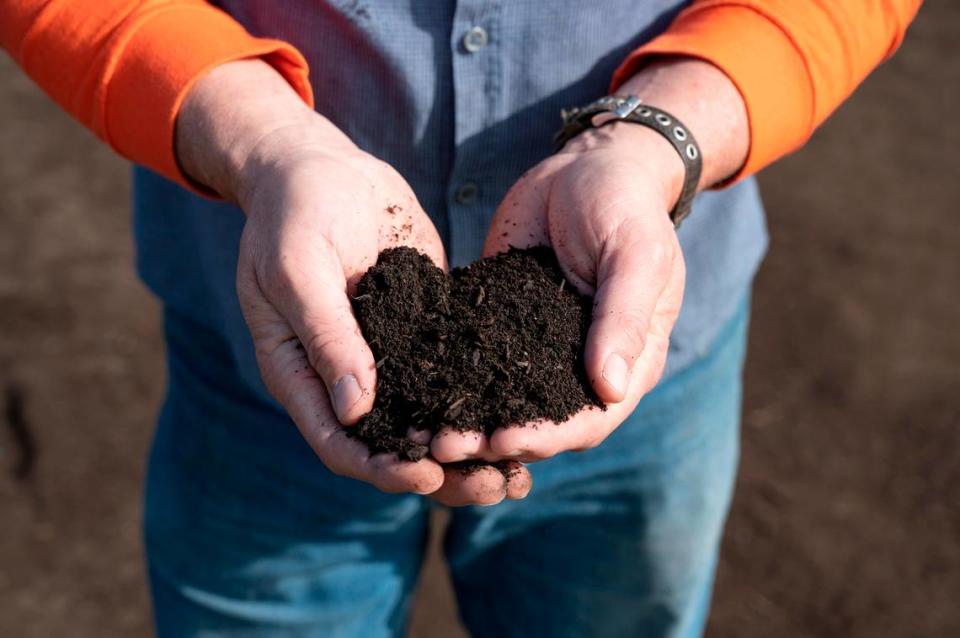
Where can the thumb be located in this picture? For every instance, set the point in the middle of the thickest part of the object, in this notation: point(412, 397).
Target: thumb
point(315, 304)
point(634, 269)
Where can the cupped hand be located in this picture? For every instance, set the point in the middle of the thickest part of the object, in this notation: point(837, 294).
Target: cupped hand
point(315, 224)
point(319, 210)
point(603, 205)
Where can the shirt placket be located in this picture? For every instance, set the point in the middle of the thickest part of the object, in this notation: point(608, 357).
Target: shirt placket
point(476, 82)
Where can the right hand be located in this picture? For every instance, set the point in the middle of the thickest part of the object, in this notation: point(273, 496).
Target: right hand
point(319, 210)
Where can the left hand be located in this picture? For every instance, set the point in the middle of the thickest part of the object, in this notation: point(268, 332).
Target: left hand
point(603, 205)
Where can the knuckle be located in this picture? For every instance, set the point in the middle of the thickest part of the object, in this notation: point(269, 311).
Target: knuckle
point(336, 463)
point(632, 324)
point(589, 443)
point(632, 237)
point(659, 256)
point(544, 451)
point(379, 165)
point(593, 442)
point(337, 467)
point(385, 173)
point(285, 269)
point(320, 343)
point(655, 371)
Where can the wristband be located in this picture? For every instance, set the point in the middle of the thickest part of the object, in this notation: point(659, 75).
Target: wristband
point(630, 108)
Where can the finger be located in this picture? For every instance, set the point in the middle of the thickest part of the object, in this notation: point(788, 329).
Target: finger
point(519, 480)
point(296, 385)
point(632, 273)
point(542, 440)
point(475, 484)
point(649, 367)
point(421, 437)
point(312, 296)
point(451, 446)
point(471, 484)
point(591, 426)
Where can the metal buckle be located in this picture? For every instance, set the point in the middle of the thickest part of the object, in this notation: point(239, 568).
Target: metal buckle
point(626, 107)
point(619, 109)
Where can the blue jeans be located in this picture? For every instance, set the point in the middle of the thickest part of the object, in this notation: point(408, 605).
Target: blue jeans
point(247, 534)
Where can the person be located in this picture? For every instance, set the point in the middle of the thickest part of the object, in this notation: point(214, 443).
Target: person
point(275, 142)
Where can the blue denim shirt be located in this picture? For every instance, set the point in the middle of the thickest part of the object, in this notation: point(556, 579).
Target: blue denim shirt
point(461, 97)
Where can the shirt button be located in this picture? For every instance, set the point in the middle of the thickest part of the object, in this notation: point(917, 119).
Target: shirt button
point(467, 193)
point(475, 39)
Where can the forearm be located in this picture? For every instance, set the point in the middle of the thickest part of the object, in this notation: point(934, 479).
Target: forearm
point(707, 103)
point(240, 116)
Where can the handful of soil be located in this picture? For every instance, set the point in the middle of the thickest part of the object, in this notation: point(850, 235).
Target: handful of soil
point(496, 343)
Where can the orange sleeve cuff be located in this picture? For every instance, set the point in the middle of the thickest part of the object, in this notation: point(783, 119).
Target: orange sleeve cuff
point(123, 67)
point(762, 62)
point(150, 78)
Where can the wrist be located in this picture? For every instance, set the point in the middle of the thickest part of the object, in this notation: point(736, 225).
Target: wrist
point(238, 116)
point(657, 156)
point(276, 151)
point(644, 150)
point(707, 102)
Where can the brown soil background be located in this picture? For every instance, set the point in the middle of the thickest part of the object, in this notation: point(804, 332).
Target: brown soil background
point(846, 521)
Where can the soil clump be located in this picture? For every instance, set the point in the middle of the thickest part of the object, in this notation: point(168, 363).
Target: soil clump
point(496, 343)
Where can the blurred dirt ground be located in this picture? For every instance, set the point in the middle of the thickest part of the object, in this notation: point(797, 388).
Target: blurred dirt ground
point(846, 521)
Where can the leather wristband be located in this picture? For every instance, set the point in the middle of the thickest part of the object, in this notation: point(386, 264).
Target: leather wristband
point(630, 108)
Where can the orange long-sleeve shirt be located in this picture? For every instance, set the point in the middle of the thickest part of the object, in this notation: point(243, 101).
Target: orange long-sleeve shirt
point(794, 62)
point(122, 67)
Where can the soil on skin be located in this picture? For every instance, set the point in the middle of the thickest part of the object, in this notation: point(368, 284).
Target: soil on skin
point(508, 469)
point(496, 343)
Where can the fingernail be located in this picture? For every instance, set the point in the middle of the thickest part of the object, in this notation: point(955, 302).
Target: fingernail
point(346, 392)
point(616, 373)
point(419, 436)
